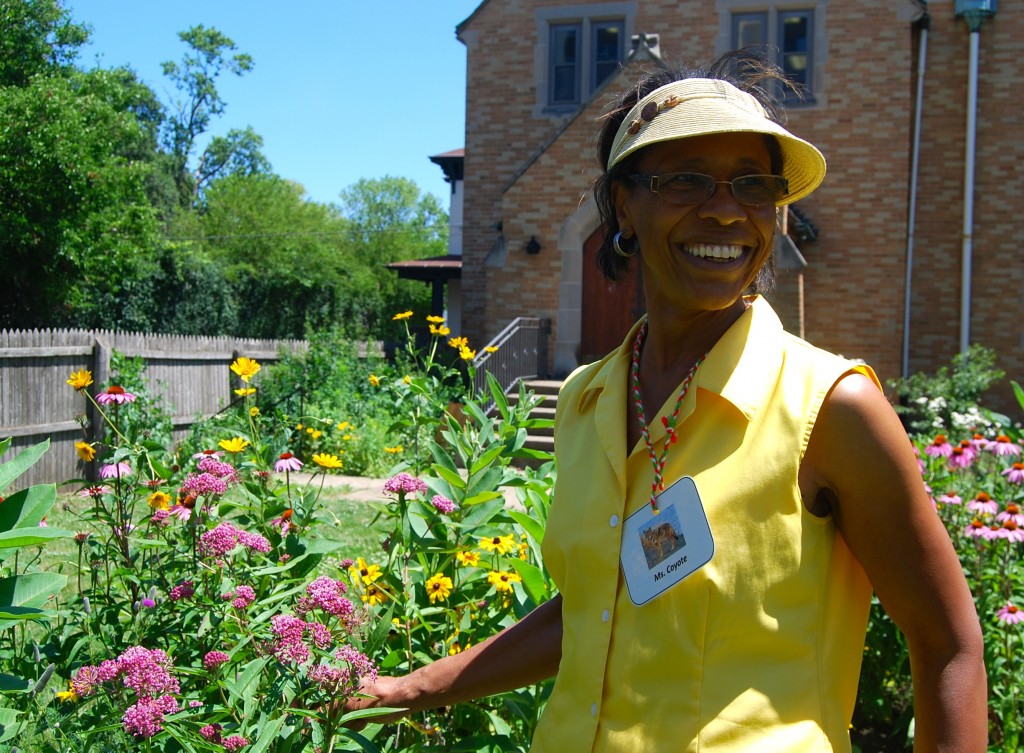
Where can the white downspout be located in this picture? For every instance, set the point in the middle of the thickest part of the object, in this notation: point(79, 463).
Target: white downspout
point(922, 54)
point(967, 249)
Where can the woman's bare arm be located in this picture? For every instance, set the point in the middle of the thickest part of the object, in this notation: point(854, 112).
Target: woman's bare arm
point(522, 654)
point(860, 456)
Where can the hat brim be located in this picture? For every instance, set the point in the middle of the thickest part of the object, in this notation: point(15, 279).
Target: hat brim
point(710, 106)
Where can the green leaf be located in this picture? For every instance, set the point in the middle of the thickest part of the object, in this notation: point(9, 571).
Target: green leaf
point(367, 745)
point(21, 463)
point(26, 508)
point(12, 684)
point(31, 536)
point(476, 499)
point(22, 613)
point(1019, 392)
point(5, 445)
point(533, 579)
point(240, 689)
point(267, 733)
point(31, 590)
point(452, 477)
point(486, 459)
point(8, 724)
point(529, 524)
point(147, 543)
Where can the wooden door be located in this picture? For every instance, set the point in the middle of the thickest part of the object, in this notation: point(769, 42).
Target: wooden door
point(609, 308)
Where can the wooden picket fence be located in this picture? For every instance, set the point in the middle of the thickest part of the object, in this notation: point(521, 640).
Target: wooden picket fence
point(192, 374)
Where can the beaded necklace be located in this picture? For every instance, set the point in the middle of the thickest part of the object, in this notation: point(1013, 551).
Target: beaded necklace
point(669, 422)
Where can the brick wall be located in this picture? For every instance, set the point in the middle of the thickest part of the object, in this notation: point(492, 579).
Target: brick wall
point(529, 173)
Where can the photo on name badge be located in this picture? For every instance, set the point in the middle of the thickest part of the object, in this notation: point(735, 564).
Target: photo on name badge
point(662, 537)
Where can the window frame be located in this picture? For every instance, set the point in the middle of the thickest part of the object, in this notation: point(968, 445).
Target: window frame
point(554, 65)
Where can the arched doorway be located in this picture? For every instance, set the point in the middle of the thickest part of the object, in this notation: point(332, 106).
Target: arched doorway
point(608, 308)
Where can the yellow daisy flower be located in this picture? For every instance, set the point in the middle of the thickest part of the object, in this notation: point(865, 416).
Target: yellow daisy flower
point(435, 319)
point(502, 581)
point(85, 451)
point(407, 379)
point(373, 596)
point(439, 587)
point(80, 379)
point(316, 434)
point(441, 331)
point(466, 354)
point(325, 460)
point(400, 317)
point(491, 348)
point(246, 368)
point(458, 342)
point(467, 558)
point(374, 380)
point(254, 411)
point(394, 450)
point(364, 572)
point(159, 501)
point(69, 695)
point(235, 444)
point(342, 426)
point(499, 544)
point(246, 391)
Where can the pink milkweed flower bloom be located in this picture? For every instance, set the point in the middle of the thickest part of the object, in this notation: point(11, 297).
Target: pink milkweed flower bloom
point(442, 504)
point(949, 498)
point(287, 462)
point(1015, 473)
point(404, 483)
point(983, 503)
point(1010, 615)
point(115, 394)
point(939, 448)
point(115, 470)
point(1003, 445)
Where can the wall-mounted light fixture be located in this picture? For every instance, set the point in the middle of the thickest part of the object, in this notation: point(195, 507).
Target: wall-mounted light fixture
point(533, 245)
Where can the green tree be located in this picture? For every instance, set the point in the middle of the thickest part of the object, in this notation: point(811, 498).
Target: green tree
point(208, 57)
point(37, 37)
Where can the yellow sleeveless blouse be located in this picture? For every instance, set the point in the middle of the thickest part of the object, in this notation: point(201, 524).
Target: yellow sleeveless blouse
point(760, 649)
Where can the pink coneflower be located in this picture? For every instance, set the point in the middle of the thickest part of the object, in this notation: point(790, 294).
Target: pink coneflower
point(975, 529)
point(939, 447)
point(994, 531)
point(207, 454)
point(962, 457)
point(95, 491)
point(1011, 512)
point(183, 509)
point(287, 462)
point(153, 483)
point(1011, 531)
point(1010, 615)
point(115, 470)
point(1003, 445)
point(404, 483)
point(980, 442)
point(115, 394)
point(949, 498)
point(982, 502)
point(283, 523)
point(1015, 473)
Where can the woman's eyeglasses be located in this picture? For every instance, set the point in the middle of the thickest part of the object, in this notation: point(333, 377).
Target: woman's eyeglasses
point(696, 188)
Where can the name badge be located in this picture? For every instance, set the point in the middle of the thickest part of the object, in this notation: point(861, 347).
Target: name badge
point(659, 550)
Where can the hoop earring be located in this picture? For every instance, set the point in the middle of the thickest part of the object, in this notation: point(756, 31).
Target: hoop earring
point(618, 248)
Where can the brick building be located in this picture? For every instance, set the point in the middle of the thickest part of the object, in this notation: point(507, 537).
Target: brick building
point(539, 73)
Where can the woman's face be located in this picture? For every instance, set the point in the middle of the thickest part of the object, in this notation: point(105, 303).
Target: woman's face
point(699, 257)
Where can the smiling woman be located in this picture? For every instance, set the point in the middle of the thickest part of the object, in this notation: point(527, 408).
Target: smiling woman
point(762, 463)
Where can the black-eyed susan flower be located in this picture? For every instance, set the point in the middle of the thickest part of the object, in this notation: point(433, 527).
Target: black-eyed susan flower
point(439, 587)
point(246, 368)
point(159, 501)
point(467, 558)
point(499, 544)
point(373, 596)
point(365, 572)
point(394, 450)
point(502, 580)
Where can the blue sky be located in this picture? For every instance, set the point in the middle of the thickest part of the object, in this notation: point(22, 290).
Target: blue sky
point(340, 89)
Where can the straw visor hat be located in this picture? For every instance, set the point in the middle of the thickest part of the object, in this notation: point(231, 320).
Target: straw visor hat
point(701, 106)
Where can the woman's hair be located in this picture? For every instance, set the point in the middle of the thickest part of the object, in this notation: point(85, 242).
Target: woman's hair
point(745, 70)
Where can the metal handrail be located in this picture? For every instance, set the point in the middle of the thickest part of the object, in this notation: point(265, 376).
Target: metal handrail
point(521, 353)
